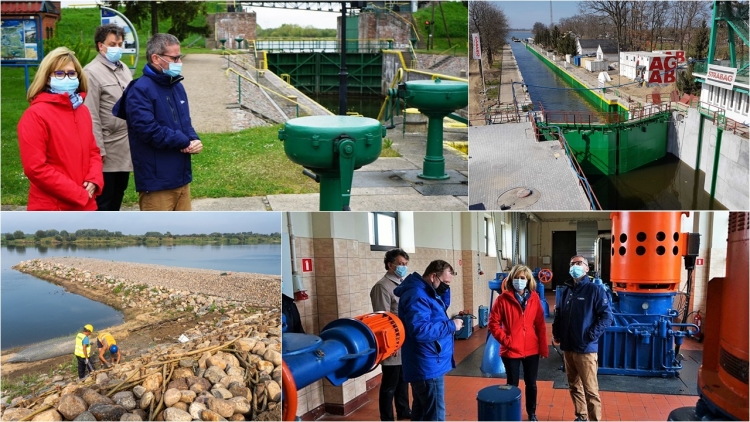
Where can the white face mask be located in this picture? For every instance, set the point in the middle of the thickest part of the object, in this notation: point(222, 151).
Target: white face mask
point(519, 284)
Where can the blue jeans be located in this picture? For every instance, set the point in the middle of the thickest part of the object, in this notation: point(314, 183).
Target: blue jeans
point(428, 400)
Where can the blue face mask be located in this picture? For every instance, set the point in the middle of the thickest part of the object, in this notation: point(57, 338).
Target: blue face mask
point(401, 270)
point(174, 69)
point(576, 271)
point(113, 54)
point(64, 85)
point(519, 284)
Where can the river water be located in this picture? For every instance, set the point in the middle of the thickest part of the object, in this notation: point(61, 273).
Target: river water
point(665, 184)
point(34, 310)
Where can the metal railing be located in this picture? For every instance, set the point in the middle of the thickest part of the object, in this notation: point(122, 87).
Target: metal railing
point(323, 45)
point(241, 77)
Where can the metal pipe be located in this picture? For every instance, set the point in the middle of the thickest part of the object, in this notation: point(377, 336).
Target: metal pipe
point(597, 255)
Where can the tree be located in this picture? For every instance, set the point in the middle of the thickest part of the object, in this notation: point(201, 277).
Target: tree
point(491, 24)
point(39, 235)
point(616, 11)
point(9, 236)
point(567, 45)
point(702, 39)
point(554, 37)
point(18, 234)
point(64, 234)
point(181, 13)
point(686, 82)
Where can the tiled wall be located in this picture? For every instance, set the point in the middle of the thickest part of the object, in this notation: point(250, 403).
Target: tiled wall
point(344, 271)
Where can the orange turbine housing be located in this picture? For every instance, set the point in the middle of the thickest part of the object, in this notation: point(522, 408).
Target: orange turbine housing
point(388, 330)
point(647, 250)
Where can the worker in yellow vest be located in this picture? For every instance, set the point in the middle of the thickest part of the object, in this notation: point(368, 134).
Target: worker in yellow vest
point(82, 351)
point(106, 343)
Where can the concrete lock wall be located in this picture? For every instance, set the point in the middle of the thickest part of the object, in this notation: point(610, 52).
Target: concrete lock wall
point(732, 177)
point(229, 26)
point(384, 25)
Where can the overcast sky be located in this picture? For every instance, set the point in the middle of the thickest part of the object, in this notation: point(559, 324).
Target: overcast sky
point(141, 222)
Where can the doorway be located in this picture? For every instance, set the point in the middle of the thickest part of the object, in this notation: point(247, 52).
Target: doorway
point(563, 247)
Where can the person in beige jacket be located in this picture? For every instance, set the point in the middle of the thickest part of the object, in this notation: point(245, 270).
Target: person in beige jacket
point(108, 77)
point(392, 386)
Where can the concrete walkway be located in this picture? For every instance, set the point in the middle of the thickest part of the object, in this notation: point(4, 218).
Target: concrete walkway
point(208, 106)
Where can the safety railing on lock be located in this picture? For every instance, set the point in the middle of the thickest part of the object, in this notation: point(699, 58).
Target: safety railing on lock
point(240, 77)
point(582, 180)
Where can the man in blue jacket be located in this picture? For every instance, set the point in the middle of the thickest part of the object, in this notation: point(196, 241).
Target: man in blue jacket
point(427, 353)
point(160, 132)
point(581, 317)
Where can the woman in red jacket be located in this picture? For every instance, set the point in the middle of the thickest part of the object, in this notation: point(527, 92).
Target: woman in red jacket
point(517, 323)
point(56, 140)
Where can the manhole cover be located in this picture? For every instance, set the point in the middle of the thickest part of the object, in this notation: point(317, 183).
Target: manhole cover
point(518, 198)
point(452, 189)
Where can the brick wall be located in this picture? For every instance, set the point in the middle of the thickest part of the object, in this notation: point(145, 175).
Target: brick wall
point(229, 26)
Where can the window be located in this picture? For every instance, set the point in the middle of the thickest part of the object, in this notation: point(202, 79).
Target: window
point(731, 100)
point(489, 238)
point(383, 230)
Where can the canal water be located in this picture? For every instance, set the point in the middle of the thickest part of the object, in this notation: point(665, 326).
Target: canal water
point(543, 85)
point(34, 310)
point(665, 184)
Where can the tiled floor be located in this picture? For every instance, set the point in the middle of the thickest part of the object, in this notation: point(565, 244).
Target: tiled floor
point(553, 404)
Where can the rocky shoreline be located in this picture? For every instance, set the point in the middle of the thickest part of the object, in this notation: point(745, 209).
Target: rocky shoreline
point(148, 287)
point(228, 369)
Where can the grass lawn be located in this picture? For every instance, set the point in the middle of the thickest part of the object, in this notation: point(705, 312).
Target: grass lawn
point(246, 163)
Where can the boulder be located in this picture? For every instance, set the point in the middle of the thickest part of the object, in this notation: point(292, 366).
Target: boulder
point(153, 382)
point(214, 374)
point(71, 388)
point(265, 366)
point(48, 415)
point(204, 383)
point(196, 409)
point(146, 400)
point(273, 357)
point(131, 417)
point(180, 405)
point(273, 391)
point(178, 384)
point(107, 412)
point(228, 380)
point(171, 397)
point(85, 416)
point(210, 415)
point(239, 390)
point(221, 393)
point(241, 405)
point(71, 406)
point(16, 414)
point(244, 344)
point(138, 390)
point(237, 417)
point(102, 379)
point(141, 413)
point(216, 360)
point(222, 407)
point(125, 399)
point(92, 397)
point(52, 400)
point(187, 396)
point(174, 414)
point(183, 372)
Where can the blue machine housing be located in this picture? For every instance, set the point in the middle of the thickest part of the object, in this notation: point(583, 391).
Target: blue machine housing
point(641, 340)
point(492, 364)
point(345, 349)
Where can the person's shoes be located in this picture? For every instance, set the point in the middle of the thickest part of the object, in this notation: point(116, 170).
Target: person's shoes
point(405, 416)
point(533, 418)
point(580, 418)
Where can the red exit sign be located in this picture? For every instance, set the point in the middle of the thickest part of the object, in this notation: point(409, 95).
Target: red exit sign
point(307, 265)
point(698, 261)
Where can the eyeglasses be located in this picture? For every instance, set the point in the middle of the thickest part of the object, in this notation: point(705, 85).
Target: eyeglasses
point(577, 263)
point(60, 74)
point(174, 58)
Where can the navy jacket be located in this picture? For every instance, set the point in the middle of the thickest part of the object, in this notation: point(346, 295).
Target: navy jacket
point(582, 315)
point(428, 349)
point(156, 109)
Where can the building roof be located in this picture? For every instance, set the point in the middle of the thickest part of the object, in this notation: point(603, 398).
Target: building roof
point(589, 43)
point(608, 46)
point(29, 7)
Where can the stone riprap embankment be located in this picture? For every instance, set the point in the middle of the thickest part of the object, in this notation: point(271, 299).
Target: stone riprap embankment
point(231, 370)
point(158, 287)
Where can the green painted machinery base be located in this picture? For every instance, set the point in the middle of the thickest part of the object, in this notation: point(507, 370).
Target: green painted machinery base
point(615, 148)
point(433, 166)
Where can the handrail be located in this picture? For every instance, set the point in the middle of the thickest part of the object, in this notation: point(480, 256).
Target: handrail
point(593, 200)
point(449, 49)
point(413, 52)
point(438, 75)
point(309, 111)
point(396, 79)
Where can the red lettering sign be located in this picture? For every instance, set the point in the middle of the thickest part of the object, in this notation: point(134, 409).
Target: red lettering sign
point(698, 261)
point(669, 77)
point(721, 76)
point(670, 63)
point(655, 78)
point(307, 265)
point(656, 64)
